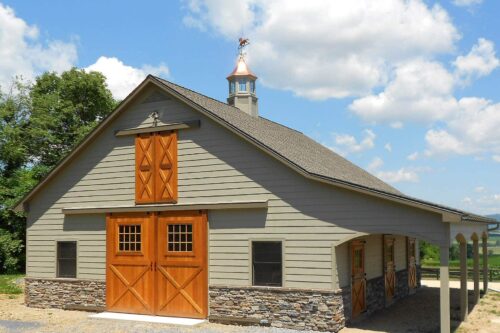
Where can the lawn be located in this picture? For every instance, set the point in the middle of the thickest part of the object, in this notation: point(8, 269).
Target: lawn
point(7, 285)
point(493, 262)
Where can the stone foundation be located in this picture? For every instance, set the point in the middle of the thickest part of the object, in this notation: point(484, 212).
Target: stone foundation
point(375, 294)
point(278, 307)
point(65, 294)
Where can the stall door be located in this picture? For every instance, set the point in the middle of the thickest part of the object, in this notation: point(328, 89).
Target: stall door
point(129, 273)
point(181, 266)
point(358, 278)
point(389, 269)
point(412, 265)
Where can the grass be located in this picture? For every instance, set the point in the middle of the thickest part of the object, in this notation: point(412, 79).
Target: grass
point(493, 262)
point(8, 286)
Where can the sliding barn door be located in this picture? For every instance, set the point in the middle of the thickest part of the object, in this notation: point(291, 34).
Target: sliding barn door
point(156, 167)
point(181, 267)
point(129, 271)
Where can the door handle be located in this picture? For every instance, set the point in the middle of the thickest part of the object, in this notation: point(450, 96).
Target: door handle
point(151, 266)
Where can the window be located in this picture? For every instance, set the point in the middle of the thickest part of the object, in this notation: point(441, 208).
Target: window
point(243, 85)
point(180, 237)
point(267, 264)
point(232, 87)
point(66, 259)
point(129, 238)
point(252, 86)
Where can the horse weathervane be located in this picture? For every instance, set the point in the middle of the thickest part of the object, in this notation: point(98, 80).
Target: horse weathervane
point(242, 43)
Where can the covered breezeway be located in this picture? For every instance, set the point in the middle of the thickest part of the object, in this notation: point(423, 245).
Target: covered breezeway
point(449, 306)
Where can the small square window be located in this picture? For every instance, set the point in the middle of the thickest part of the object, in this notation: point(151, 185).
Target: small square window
point(242, 85)
point(66, 259)
point(232, 87)
point(267, 263)
point(180, 238)
point(129, 238)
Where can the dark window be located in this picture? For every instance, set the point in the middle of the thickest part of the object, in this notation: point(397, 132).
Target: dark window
point(129, 238)
point(267, 263)
point(180, 237)
point(66, 259)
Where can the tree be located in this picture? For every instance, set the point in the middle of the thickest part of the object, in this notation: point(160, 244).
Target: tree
point(39, 124)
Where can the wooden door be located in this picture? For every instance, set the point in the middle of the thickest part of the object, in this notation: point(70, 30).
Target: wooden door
point(144, 170)
point(181, 265)
point(129, 271)
point(165, 162)
point(358, 278)
point(412, 264)
point(389, 269)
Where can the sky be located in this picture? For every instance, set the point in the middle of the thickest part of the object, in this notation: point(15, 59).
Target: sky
point(408, 90)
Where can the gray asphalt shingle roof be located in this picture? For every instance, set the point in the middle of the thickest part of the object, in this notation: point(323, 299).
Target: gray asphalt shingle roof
point(294, 146)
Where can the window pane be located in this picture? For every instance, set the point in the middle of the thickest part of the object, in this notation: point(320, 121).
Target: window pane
point(267, 263)
point(66, 259)
point(180, 238)
point(129, 238)
point(243, 85)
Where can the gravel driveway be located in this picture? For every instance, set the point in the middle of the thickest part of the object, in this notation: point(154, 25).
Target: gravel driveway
point(418, 313)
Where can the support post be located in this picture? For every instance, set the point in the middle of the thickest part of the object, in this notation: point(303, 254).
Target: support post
point(475, 245)
point(444, 290)
point(464, 306)
point(485, 264)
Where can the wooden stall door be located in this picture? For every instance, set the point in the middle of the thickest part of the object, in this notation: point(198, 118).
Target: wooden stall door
point(181, 266)
point(358, 278)
point(389, 269)
point(412, 264)
point(129, 273)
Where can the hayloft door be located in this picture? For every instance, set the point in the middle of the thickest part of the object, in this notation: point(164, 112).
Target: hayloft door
point(129, 254)
point(181, 265)
point(358, 297)
point(389, 269)
point(412, 265)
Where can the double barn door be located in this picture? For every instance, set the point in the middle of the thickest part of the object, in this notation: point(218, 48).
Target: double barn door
point(157, 264)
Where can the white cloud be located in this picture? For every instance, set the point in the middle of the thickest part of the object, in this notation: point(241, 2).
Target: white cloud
point(467, 200)
point(413, 156)
point(419, 91)
point(466, 3)
point(328, 49)
point(479, 189)
point(480, 61)
point(121, 78)
point(397, 176)
point(496, 158)
point(375, 164)
point(23, 54)
point(473, 129)
point(388, 147)
point(347, 143)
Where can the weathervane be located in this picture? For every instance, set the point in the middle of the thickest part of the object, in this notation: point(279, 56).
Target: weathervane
point(242, 43)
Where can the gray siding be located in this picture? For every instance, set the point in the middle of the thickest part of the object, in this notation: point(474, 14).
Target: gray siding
point(214, 165)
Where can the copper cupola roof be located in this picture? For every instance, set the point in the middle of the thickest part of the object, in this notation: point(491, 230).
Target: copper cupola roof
point(242, 69)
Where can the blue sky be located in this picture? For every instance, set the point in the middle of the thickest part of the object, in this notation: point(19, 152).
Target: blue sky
point(406, 89)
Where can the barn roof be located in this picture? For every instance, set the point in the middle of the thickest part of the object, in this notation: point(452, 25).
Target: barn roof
point(290, 146)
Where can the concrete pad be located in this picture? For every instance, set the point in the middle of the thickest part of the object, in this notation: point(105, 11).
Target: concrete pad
point(148, 319)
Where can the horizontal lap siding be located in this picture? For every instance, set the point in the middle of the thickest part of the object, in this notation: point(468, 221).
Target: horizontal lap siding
point(214, 165)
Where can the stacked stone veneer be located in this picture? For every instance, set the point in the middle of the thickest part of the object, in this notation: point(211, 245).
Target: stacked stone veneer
point(279, 307)
point(65, 293)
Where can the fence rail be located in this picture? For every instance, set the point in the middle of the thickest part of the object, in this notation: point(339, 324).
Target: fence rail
point(493, 273)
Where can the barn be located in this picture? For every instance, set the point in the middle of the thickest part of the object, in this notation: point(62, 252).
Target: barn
point(180, 205)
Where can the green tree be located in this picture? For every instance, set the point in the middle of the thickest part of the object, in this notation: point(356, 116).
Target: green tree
point(39, 124)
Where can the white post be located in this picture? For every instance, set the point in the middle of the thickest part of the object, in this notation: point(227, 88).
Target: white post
point(485, 264)
point(475, 243)
point(444, 290)
point(463, 282)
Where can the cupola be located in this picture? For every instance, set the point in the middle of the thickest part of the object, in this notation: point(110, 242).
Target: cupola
point(242, 85)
